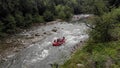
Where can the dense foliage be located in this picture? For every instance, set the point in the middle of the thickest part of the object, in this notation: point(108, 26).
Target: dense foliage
point(19, 14)
point(102, 50)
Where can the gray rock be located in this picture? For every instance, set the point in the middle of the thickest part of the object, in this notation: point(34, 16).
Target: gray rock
point(54, 30)
point(37, 34)
point(44, 33)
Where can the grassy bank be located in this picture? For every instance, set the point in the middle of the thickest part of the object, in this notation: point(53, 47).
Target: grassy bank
point(100, 55)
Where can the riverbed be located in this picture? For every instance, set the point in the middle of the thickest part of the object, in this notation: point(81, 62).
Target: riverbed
point(39, 52)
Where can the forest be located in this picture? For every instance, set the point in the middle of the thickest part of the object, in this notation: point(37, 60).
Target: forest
point(20, 14)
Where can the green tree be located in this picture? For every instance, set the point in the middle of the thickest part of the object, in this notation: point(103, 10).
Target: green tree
point(97, 7)
point(114, 3)
point(19, 20)
point(10, 24)
point(1, 29)
point(28, 6)
point(63, 12)
point(38, 19)
point(100, 31)
point(48, 16)
point(104, 25)
point(28, 20)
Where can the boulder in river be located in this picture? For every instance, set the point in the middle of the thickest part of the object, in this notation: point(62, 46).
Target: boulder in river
point(44, 33)
point(54, 30)
point(37, 34)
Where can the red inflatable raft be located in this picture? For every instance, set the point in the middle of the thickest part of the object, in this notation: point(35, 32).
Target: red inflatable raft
point(58, 42)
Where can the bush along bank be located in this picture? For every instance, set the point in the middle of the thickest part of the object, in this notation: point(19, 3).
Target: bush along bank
point(102, 50)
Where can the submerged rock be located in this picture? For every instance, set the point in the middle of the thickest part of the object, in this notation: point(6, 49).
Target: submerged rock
point(37, 34)
point(54, 30)
point(44, 33)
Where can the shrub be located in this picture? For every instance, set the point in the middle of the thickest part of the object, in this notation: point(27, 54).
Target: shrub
point(10, 24)
point(19, 20)
point(28, 20)
point(38, 19)
point(48, 16)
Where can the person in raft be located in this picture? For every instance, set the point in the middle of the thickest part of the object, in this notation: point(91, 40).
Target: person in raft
point(63, 39)
point(59, 41)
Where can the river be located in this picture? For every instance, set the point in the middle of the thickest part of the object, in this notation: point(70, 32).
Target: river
point(40, 53)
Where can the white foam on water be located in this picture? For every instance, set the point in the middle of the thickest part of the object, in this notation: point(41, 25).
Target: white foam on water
point(76, 32)
point(67, 32)
point(55, 38)
point(46, 43)
point(38, 57)
point(44, 53)
point(74, 37)
point(38, 54)
point(30, 45)
point(10, 56)
point(70, 40)
point(83, 37)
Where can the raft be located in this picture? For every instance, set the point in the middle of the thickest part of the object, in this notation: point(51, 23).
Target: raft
point(58, 43)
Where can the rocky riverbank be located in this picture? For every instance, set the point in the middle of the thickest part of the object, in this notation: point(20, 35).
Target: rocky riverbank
point(12, 45)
